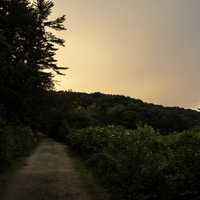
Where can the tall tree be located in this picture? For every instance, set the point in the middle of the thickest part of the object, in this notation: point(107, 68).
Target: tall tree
point(27, 50)
point(42, 55)
point(24, 27)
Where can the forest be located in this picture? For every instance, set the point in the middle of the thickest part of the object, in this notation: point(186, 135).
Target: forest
point(137, 150)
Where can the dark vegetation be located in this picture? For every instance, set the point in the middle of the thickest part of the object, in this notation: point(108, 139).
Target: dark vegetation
point(81, 110)
point(131, 159)
point(16, 141)
point(27, 68)
point(141, 164)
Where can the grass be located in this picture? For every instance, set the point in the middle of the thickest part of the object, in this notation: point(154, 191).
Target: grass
point(90, 184)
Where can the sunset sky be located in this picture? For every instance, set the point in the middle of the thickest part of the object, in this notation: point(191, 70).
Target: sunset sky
point(147, 49)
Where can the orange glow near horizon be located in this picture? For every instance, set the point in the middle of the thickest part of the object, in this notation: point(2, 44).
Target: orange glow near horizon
point(140, 48)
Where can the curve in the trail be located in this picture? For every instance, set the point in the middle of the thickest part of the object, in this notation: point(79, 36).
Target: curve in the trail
point(48, 174)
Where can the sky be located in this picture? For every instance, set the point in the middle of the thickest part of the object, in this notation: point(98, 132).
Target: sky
point(146, 49)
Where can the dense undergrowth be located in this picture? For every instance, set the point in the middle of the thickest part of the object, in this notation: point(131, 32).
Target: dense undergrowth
point(16, 141)
point(141, 164)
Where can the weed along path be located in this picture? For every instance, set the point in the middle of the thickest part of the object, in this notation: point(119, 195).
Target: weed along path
point(49, 174)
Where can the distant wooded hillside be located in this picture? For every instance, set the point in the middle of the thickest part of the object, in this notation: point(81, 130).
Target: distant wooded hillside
point(82, 110)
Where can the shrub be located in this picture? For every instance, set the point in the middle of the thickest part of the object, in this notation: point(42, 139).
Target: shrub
point(141, 164)
point(15, 141)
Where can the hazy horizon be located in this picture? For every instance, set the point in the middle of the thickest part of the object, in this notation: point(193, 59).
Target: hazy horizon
point(139, 48)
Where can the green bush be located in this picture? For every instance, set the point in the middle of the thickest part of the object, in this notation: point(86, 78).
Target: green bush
point(141, 164)
point(15, 141)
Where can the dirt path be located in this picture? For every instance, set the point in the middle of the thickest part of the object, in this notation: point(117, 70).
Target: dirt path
point(48, 174)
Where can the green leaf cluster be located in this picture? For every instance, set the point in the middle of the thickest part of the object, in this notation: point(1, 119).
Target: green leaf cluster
point(141, 164)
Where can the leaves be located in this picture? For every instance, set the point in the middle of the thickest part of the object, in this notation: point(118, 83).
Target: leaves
point(141, 164)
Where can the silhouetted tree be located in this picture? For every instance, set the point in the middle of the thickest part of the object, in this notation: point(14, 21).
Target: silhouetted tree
point(27, 50)
point(26, 43)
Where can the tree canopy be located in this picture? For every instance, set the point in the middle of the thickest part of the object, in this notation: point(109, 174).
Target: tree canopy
point(27, 49)
point(27, 46)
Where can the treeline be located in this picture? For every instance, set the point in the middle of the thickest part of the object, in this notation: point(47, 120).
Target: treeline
point(81, 110)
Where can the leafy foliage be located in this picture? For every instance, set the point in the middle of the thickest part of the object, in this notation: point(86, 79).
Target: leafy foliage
point(141, 164)
point(27, 53)
point(83, 110)
point(15, 141)
point(27, 68)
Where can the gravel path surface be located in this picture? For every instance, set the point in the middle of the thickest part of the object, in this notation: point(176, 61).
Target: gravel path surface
point(48, 174)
